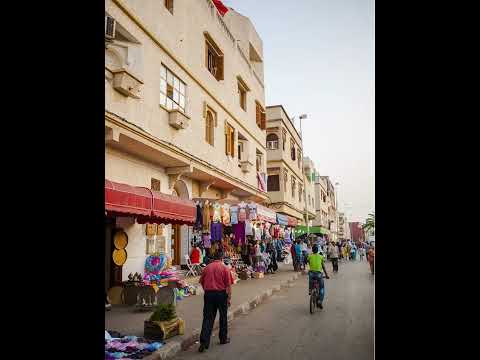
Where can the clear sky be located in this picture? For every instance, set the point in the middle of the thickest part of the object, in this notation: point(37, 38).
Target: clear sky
point(319, 59)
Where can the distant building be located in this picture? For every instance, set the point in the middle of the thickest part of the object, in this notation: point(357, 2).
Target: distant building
point(356, 231)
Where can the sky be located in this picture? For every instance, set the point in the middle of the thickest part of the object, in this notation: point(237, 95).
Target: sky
point(319, 60)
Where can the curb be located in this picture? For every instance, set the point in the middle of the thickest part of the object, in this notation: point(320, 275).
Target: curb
point(173, 347)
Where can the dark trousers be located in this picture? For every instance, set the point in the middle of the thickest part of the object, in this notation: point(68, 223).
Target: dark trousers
point(213, 300)
point(335, 264)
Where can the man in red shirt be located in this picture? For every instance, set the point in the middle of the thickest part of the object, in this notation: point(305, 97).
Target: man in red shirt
point(216, 281)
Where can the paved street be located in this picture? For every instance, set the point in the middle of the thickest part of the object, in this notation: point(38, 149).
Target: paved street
point(283, 328)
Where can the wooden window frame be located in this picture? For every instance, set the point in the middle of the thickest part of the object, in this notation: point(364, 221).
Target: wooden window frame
point(243, 89)
point(214, 58)
point(210, 126)
point(260, 115)
point(169, 5)
point(277, 183)
point(229, 140)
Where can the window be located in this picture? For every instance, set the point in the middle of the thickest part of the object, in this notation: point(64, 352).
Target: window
point(300, 193)
point(229, 140)
point(293, 186)
point(169, 5)
point(299, 156)
point(292, 150)
point(155, 185)
point(213, 57)
point(260, 116)
point(284, 138)
point(172, 90)
point(242, 93)
point(273, 183)
point(209, 127)
point(240, 150)
point(272, 142)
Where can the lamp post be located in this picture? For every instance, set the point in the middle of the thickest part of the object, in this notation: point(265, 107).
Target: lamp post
point(301, 117)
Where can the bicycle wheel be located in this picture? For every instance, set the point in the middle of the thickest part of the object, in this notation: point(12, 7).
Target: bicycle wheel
point(313, 301)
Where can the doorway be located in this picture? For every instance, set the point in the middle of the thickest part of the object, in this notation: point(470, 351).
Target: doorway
point(113, 272)
point(175, 251)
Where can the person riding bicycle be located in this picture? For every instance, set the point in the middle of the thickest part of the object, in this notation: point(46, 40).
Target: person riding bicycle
point(316, 263)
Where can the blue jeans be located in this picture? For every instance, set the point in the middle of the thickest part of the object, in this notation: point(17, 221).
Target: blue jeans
point(317, 275)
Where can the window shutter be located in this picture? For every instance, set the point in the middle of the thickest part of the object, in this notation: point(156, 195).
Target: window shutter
point(263, 121)
point(220, 68)
point(232, 143)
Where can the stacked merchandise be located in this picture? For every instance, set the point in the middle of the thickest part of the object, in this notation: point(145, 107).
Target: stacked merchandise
point(128, 347)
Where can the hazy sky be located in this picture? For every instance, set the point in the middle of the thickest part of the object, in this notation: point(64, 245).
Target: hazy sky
point(319, 60)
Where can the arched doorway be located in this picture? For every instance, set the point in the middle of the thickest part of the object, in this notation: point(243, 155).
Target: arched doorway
point(179, 232)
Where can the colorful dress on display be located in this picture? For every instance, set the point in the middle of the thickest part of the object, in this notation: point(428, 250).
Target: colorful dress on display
point(242, 212)
point(234, 215)
point(239, 232)
point(258, 234)
point(206, 241)
point(252, 211)
point(217, 213)
point(199, 218)
point(248, 228)
point(206, 217)
point(226, 214)
point(216, 231)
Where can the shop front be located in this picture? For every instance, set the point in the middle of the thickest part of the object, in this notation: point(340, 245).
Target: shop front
point(137, 221)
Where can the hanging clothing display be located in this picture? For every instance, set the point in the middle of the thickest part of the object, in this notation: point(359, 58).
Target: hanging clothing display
point(206, 216)
point(216, 231)
point(242, 212)
point(234, 215)
point(248, 228)
point(207, 244)
point(225, 214)
point(217, 214)
point(239, 232)
point(199, 217)
point(252, 211)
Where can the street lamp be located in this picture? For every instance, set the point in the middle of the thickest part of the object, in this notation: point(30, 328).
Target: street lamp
point(301, 117)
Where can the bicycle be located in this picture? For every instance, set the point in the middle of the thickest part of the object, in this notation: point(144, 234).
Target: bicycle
point(314, 296)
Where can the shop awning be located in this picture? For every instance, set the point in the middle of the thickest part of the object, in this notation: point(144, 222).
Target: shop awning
point(147, 206)
point(302, 229)
point(266, 214)
point(127, 200)
point(173, 210)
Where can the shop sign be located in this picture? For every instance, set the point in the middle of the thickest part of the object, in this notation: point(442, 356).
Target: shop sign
point(266, 214)
point(292, 221)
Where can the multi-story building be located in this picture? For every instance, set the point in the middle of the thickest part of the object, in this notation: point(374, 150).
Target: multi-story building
point(184, 109)
point(356, 231)
point(309, 171)
point(343, 228)
point(284, 164)
point(321, 203)
point(326, 208)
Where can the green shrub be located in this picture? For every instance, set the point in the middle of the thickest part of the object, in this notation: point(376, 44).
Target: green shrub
point(164, 312)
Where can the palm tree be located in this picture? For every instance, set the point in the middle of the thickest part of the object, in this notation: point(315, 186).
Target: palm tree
point(369, 223)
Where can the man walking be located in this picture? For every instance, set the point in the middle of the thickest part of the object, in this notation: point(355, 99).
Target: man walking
point(216, 281)
point(333, 252)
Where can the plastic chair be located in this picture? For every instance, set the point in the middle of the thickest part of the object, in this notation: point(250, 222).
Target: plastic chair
point(191, 268)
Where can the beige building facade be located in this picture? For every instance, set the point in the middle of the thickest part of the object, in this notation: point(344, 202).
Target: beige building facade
point(284, 164)
point(310, 171)
point(184, 109)
point(326, 207)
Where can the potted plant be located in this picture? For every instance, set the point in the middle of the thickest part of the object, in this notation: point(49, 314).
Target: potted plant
point(163, 323)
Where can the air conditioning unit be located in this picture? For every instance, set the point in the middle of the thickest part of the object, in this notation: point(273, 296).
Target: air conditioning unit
point(109, 28)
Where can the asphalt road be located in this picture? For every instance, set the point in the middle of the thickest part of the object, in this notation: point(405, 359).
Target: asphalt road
point(283, 328)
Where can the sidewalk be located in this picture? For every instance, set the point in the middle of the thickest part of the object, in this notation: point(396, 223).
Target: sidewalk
point(247, 294)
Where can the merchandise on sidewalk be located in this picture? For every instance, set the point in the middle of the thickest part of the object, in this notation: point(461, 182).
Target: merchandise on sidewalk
point(128, 347)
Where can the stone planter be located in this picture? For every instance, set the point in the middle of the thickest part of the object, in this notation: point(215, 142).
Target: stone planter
point(161, 330)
